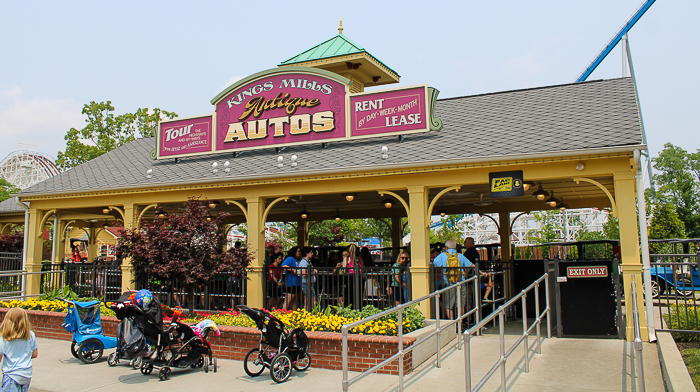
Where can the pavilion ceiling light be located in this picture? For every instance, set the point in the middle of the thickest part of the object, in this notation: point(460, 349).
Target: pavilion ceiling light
point(350, 196)
point(105, 210)
point(162, 215)
point(388, 203)
point(527, 185)
point(294, 161)
point(105, 226)
point(552, 201)
point(442, 212)
point(337, 216)
point(304, 214)
point(563, 206)
point(540, 193)
point(280, 160)
point(213, 203)
point(208, 218)
point(227, 166)
point(385, 152)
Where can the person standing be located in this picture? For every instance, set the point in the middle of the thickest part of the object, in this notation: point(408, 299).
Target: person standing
point(354, 265)
point(292, 282)
point(307, 282)
point(452, 265)
point(18, 346)
point(398, 287)
point(275, 285)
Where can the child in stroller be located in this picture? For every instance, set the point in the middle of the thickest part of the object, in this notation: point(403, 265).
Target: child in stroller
point(176, 346)
point(282, 351)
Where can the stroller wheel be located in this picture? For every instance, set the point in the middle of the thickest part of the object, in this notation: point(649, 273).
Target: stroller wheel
point(146, 368)
point(199, 363)
point(214, 365)
point(112, 359)
point(281, 368)
point(303, 364)
point(90, 350)
point(136, 362)
point(164, 373)
point(73, 349)
point(254, 364)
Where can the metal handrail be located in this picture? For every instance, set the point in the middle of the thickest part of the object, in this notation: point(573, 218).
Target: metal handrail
point(23, 274)
point(401, 352)
point(500, 313)
point(638, 346)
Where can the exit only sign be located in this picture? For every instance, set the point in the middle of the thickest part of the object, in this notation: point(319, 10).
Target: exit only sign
point(587, 272)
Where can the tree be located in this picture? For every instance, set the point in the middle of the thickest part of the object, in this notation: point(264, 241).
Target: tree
point(105, 132)
point(447, 231)
point(665, 224)
point(13, 242)
point(187, 247)
point(6, 189)
point(678, 180)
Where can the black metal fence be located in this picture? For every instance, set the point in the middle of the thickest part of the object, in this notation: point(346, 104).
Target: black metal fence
point(295, 288)
point(10, 261)
point(225, 291)
point(674, 281)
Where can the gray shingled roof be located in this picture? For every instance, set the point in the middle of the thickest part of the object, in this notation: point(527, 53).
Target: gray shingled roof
point(10, 206)
point(579, 116)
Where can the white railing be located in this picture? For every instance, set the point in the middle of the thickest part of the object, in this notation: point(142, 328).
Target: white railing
point(638, 357)
point(438, 329)
point(500, 313)
point(55, 280)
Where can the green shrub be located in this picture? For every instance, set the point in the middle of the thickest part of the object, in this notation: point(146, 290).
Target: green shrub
point(685, 317)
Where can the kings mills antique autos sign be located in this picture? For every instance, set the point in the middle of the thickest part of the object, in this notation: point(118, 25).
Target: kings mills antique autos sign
point(293, 106)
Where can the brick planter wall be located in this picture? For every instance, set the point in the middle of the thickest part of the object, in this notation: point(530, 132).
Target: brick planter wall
point(364, 351)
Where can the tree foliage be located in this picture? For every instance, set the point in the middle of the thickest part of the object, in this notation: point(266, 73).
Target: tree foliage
point(13, 242)
point(187, 247)
point(449, 230)
point(665, 224)
point(105, 132)
point(678, 183)
point(6, 189)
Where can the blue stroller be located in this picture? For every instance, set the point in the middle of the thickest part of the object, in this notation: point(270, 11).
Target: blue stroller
point(83, 320)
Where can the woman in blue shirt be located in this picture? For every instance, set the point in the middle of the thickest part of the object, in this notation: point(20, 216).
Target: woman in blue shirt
point(292, 281)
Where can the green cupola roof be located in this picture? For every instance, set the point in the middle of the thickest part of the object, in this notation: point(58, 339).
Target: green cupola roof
point(346, 58)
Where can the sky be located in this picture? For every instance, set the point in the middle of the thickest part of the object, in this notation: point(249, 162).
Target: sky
point(56, 56)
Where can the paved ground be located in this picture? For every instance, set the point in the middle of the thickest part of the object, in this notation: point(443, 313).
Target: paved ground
point(565, 365)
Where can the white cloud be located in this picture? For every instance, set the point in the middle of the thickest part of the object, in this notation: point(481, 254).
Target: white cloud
point(43, 123)
point(231, 80)
point(13, 92)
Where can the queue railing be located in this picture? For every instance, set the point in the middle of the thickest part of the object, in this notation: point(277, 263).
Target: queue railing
point(13, 284)
point(439, 327)
point(500, 313)
point(638, 346)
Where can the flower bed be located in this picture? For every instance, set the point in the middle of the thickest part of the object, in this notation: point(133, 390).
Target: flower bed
point(329, 320)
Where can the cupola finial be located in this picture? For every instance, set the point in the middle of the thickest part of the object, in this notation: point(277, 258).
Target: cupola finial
point(340, 28)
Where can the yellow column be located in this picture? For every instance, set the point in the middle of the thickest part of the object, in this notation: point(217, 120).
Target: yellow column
point(504, 232)
point(303, 233)
point(92, 243)
point(625, 187)
point(61, 244)
point(420, 244)
point(396, 235)
point(256, 246)
point(35, 244)
point(128, 283)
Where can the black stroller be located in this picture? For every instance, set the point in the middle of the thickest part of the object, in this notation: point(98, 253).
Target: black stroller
point(177, 345)
point(131, 342)
point(279, 350)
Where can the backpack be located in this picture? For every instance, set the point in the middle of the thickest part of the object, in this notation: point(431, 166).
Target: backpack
point(454, 271)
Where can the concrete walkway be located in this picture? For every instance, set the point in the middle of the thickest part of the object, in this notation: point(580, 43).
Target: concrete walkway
point(565, 365)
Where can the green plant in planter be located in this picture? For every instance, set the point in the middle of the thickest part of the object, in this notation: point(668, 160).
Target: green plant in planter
point(65, 293)
point(681, 316)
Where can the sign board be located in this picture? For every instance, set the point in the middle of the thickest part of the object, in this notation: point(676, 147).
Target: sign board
point(184, 137)
point(599, 271)
point(398, 111)
point(282, 109)
point(292, 106)
point(506, 184)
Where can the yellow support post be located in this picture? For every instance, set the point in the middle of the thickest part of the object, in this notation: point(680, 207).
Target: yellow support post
point(256, 247)
point(396, 236)
point(420, 245)
point(127, 270)
point(35, 245)
point(625, 188)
